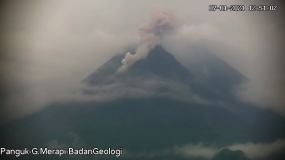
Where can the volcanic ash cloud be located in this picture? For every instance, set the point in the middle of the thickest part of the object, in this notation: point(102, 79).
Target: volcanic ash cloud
point(161, 21)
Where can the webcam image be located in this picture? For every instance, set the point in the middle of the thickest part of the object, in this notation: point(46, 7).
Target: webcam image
point(142, 80)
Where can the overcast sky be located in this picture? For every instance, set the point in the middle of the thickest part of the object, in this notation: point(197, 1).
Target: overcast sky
point(50, 46)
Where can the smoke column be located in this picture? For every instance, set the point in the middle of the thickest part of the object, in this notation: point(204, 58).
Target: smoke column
point(161, 20)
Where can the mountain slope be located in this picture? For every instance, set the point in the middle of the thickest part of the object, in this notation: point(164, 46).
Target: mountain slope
point(147, 124)
point(216, 83)
point(213, 72)
point(158, 63)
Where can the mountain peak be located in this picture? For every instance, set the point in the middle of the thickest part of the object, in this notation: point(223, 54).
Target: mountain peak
point(163, 64)
point(158, 63)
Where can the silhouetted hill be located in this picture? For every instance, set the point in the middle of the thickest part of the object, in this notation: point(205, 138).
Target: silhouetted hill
point(227, 154)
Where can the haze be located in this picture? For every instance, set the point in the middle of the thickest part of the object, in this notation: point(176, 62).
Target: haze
point(50, 46)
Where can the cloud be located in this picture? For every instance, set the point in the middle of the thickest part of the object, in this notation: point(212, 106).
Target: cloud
point(135, 88)
point(259, 94)
point(51, 46)
point(196, 151)
point(260, 150)
point(253, 54)
point(35, 69)
point(252, 150)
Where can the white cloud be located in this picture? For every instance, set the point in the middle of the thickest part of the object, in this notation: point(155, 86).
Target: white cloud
point(252, 150)
point(260, 150)
point(196, 151)
point(53, 45)
point(135, 88)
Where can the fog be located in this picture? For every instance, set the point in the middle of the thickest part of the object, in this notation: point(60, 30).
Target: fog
point(48, 47)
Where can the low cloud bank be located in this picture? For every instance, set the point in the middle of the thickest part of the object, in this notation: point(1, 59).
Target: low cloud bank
point(136, 88)
point(196, 151)
point(252, 150)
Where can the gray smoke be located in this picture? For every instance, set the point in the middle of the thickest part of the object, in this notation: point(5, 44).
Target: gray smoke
point(161, 20)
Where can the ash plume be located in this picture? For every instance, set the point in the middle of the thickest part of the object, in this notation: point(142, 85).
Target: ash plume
point(161, 20)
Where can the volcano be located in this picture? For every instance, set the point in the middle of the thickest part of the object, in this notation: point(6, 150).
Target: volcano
point(158, 63)
point(157, 104)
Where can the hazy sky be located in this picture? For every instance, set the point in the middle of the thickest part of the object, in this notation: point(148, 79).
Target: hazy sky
point(50, 46)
